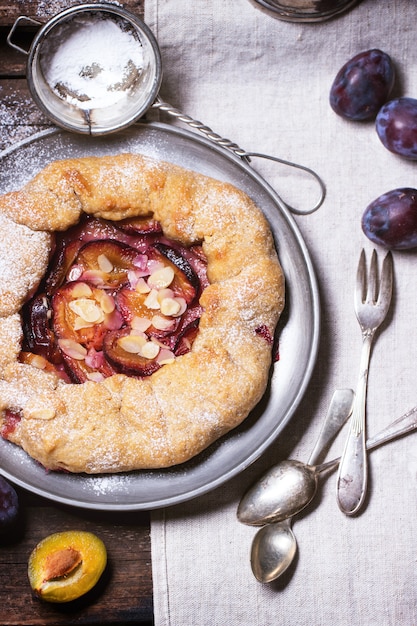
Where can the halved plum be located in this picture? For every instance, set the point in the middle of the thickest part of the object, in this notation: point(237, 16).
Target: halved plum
point(198, 261)
point(68, 244)
point(106, 262)
point(186, 337)
point(131, 304)
point(133, 307)
point(37, 331)
point(63, 258)
point(186, 282)
point(82, 313)
point(95, 229)
point(79, 371)
point(126, 361)
point(141, 225)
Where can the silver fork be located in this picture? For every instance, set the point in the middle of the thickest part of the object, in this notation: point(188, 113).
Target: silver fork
point(371, 307)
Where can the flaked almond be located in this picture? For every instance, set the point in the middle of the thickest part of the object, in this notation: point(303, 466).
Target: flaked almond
point(96, 277)
point(81, 290)
point(104, 263)
point(161, 278)
point(142, 286)
point(165, 356)
point(106, 301)
point(162, 323)
point(149, 350)
point(95, 377)
point(114, 320)
point(170, 306)
point(153, 266)
point(133, 278)
point(152, 300)
point(36, 360)
point(132, 343)
point(183, 306)
point(165, 293)
point(140, 324)
point(80, 323)
point(61, 563)
point(41, 413)
point(138, 333)
point(158, 343)
point(88, 309)
point(72, 349)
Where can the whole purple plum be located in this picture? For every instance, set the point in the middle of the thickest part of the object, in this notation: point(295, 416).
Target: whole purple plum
point(362, 85)
point(391, 220)
point(396, 125)
point(9, 505)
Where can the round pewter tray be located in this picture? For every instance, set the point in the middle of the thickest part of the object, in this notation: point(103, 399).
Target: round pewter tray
point(298, 328)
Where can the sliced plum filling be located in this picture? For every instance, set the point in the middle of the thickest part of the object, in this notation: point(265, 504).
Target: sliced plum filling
point(117, 298)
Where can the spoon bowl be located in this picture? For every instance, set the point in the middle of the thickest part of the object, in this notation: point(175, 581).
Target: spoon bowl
point(285, 489)
point(273, 550)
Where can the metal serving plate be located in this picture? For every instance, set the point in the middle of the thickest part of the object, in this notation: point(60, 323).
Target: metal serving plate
point(298, 330)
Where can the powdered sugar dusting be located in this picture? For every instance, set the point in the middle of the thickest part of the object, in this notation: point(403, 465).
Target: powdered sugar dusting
point(81, 67)
point(22, 263)
point(114, 483)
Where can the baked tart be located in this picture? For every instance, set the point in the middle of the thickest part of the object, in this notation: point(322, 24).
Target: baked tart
point(138, 306)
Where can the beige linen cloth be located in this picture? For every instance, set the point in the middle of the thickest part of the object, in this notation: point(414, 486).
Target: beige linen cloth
point(264, 83)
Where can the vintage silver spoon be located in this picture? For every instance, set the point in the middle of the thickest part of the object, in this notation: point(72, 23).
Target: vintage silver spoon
point(281, 491)
point(280, 548)
point(274, 545)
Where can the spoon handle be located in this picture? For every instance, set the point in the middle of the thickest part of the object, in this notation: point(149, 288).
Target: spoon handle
point(401, 426)
point(339, 410)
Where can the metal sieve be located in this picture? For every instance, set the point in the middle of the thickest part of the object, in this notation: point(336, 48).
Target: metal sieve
point(104, 103)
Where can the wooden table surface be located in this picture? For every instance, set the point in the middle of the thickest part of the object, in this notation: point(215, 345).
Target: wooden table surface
point(124, 593)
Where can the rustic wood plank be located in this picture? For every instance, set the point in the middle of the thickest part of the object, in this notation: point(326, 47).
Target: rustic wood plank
point(12, 62)
point(19, 116)
point(122, 596)
point(42, 10)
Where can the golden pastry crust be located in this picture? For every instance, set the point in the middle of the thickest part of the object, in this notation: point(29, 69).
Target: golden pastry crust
point(124, 423)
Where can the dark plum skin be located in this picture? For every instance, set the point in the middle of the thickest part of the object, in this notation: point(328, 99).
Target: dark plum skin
point(396, 126)
point(9, 505)
point(362, 85)
point(391, 220)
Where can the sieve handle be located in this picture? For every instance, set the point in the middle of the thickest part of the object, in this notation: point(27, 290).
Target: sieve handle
point(19, 20)
point(308, 170)
point(206, 130)
point(243, 154)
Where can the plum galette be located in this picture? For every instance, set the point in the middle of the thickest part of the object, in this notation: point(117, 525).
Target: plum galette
point(138, 305)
